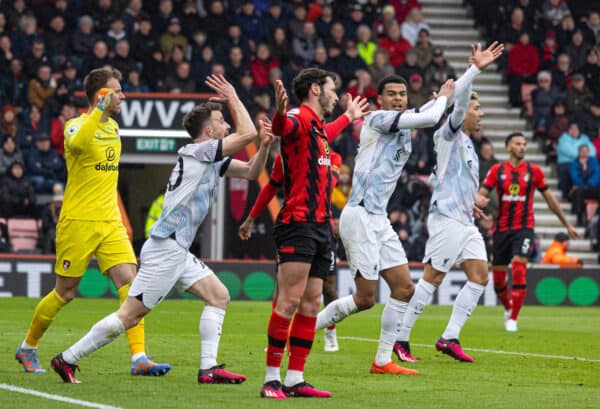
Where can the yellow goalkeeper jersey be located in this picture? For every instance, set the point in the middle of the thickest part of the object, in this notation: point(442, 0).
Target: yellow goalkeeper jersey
point(92, 153)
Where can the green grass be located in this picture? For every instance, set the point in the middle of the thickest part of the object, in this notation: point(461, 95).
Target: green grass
point(493, 381)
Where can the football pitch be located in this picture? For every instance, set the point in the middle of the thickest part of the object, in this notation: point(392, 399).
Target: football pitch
point(552, 362)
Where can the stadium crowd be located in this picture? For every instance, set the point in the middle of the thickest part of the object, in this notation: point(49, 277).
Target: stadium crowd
point(47, 47)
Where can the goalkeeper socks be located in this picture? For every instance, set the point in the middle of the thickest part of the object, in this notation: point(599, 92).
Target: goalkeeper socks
point(211, 324)
point(519, 288)
point(135, 335)
point(43, 316)
point(336, 311)
point(391, 321)
point(102, 333)
point(420, 299)
point(465, 303)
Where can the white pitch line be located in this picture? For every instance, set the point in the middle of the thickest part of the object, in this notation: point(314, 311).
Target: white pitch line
point(59, 398)
point(492, 351)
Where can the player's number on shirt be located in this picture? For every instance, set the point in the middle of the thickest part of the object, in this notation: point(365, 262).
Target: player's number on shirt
point(173, 186)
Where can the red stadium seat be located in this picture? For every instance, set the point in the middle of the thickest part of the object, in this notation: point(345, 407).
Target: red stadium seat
point(23, 235)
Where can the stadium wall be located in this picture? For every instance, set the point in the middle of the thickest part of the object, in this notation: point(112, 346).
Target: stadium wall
point(32, 276)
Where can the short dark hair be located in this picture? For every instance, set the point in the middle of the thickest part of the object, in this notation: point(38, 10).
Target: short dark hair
point(308, 76)
point(97, 79)
point(194, 121)
point(390, 79)
point(513, 135)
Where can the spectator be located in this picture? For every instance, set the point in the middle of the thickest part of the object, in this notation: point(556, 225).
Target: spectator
point(58, 39)
point(50, 215)
point(363, 86)
point(234, 38)
point(554, 11)
point(276, 19)
point(568, 151)
point(203, 66)
point(57, 128)
point(424, 49)
point(418, 161)
point(543, 98)
point(6, 54)
point(438, 71)
point(372, 10)
point(191, 20)
point(320, 59)
point(413, 25)
point(565, 31)
point(177, 57)
point(305, 43)
point(280, 47)
point(591, 71)
point(523, 65)
point(8, 122)
point(403, 7)
point(349, 62)
point(585, 177)
point(99, 57)
point(26, 34)
point(181, 81)
point(262, 64)
point(366, 46)
point(134, 83)
point(102, 11)
point(133, 16)
point(381, 67)
point(162, 19)
point(13, 87)
point(251, 23)
point(410, 66)
point(144, 42)
point(153, 214)
point(355, 20)
point(84, 39)
point(561, 75)
point(478, 139)
point(5, 246)
point(172, 37)
point(511, 31)
point(296, 23)
point(9, 153)
point(68, 83)
point(591, 27)
point(235, 65)
point(486, 161)
point(557, 252)
point(122, 59)
point(44, 165)
point(577, 50)
point(559, 124)
point(417, 95)
point(324, 22)
point(36, 58)
point(29, 128)
point(341, 192)
point(17, 198)
point(388, 19)
point(549, 50)
point(579, 102)
point(336, 39)
point(219, 21)
point(116, 33)
point(395, 45)
point(41, 88)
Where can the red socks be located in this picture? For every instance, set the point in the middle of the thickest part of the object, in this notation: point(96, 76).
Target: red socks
point(278, 333)
point(519, 287)
point(501, 288)
point(302, 335)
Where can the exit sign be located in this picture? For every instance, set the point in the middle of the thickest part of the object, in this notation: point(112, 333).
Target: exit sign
point(155, 145)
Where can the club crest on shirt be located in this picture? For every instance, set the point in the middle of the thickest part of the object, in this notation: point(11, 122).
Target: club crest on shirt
point(526, 177)
point(66, 264)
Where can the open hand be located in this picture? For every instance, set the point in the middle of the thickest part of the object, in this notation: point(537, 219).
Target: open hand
point(281, 97)
point(222, 87)
point(447, 89)
point(483, 58)
point(265, 132)
point(357, 107)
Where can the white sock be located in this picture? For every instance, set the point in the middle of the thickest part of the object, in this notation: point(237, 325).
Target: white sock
point(293, 377)
point(336, 311)
point(211, 323)
point(391, 321)
point(25, 345)
point(137, 356)
point(273, 374)
point(465, 303)
point(102, 333)
point(420, 299)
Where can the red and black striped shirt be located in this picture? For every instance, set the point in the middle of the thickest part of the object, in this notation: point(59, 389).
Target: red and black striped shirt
point(515, 188)
point(306, 164)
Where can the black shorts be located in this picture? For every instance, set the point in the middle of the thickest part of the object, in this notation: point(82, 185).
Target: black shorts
point(511, 243)
point(305, 242)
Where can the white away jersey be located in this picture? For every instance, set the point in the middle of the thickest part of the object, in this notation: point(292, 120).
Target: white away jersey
point(383, 151)
point(455, 179)
point(190, 190)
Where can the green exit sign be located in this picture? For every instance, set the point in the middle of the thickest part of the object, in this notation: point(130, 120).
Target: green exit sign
point(155, 145)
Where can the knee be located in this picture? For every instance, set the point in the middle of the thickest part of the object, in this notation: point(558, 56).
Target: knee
point(288, 305)
point(219, 299)
point(309, 306)
point(129, 320)
point(404, 292)
point(364, 301)
point(67, 294)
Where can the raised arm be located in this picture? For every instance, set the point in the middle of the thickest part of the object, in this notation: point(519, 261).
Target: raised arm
point(77, 139)
point(282, 125)
point(251, 169)
point(245, 132)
